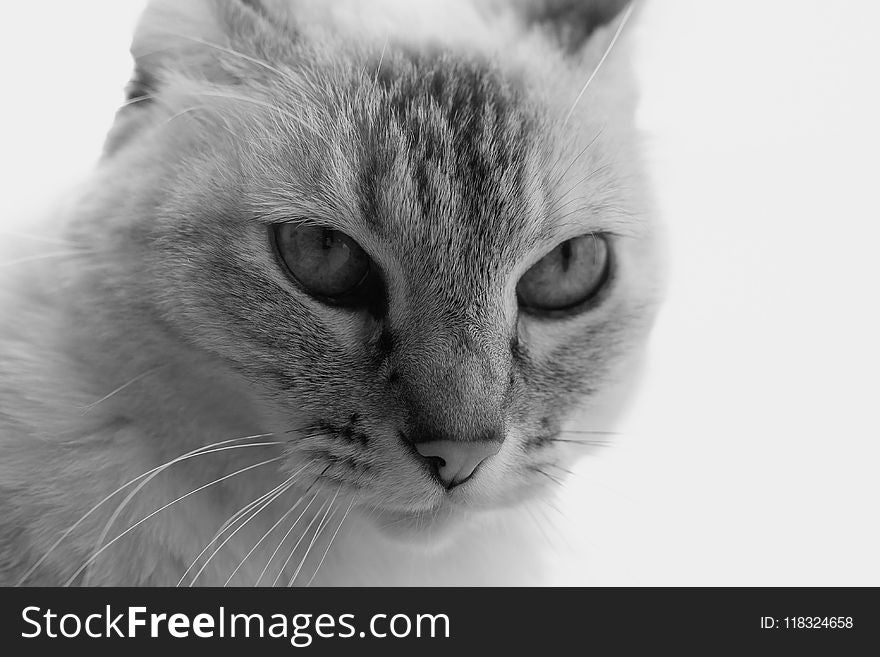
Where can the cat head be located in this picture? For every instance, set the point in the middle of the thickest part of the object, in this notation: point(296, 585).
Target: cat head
point(405, 224)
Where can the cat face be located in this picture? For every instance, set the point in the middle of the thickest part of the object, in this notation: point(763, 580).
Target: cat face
point(396, 246)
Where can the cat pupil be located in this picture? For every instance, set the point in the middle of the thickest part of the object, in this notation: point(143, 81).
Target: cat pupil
point(566, 255)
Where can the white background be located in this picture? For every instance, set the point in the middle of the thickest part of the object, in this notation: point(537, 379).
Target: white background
point(751, 456)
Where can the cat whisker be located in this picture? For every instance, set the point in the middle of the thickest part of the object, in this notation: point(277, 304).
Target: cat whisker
point(588, 443)
point(330, 544)
point(284, 75)
point(571, 206)
point(556, 529)
point(381, 59)
point(559, 205)
point(295, 522)
point(619, 230)
point(195, 108)
point(272, 107)
point(145, 482)
point(125, 385)
point(279, 491)
point(284, 538)
point(587, 432)
point(300, 540)
point(621, 214)
point(270, 530)
point(106, 546)
point(38, 238)
point(205, 449)
point(321, 526)
point(233, 52)
point(561, 176)
point(561, 468)
point(572, 436)
point(138, 99)
point(530, 511)
point(623, 21)
point(45, 256)
point(555, 508)
point(302, 432)
point(554, 479)
point(232, 520)
point(611, 432)
point(586, 209)
point(235, 517)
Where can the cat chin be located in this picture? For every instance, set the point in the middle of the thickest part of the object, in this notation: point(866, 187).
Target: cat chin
point(427, 531)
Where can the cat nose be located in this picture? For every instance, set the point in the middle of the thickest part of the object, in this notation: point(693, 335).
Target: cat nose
point(454, 461)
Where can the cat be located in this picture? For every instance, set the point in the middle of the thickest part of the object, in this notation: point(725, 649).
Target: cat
point(352, 286)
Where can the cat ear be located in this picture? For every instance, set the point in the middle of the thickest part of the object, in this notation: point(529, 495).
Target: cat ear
point(569, 23)
point(180, 39)
point(165, 39)
point(185, 37)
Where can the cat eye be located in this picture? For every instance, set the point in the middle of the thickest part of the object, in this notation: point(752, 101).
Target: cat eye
point(327, 263)
point(568, 276)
